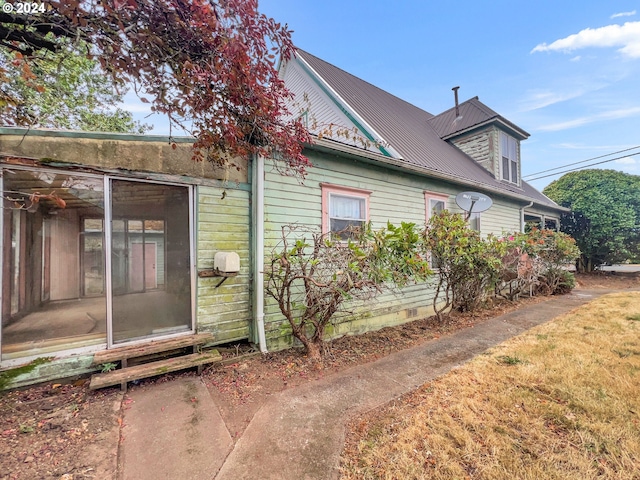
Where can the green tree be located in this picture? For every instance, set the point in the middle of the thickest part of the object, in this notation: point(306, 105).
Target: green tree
point(63, 89)
point(605, 214)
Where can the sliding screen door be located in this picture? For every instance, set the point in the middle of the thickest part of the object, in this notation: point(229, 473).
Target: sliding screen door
point(150, 260)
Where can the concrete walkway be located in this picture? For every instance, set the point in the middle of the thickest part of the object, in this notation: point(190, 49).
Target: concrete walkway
point(299, 433)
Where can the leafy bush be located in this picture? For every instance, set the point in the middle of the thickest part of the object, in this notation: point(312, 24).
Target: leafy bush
point(467, 266)
point(312, 275)
point(535, 262)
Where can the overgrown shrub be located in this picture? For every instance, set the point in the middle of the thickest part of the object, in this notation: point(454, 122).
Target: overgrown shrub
point(535, 262)
point(312, 276)
point(556, 251)
point(467, 267)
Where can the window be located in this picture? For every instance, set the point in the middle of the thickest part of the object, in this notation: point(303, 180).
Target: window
point(343, 208)
point(509, 158)
point(435, 203)
point(474, 221)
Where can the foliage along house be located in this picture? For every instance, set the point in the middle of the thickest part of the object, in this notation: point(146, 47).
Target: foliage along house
point(103, 235)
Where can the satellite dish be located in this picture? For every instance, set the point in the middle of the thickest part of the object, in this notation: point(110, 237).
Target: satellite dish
point(473, 202)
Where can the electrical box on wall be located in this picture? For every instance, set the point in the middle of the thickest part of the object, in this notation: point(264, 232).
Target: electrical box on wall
point(226, 262)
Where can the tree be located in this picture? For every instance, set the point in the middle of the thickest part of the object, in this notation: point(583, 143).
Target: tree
point(209, 65)
point(313, 276)
point(77, 95)
point(605, 216)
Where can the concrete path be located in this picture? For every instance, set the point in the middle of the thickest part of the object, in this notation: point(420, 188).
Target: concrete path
point(299, 433)
point(172, 430)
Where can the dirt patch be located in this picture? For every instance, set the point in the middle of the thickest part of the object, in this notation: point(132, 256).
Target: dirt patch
point(54, 430)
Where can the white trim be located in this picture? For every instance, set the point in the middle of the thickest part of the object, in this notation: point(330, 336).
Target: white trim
point(258, 239)
point(352, 112)
point(511, 160)
point(108, 290)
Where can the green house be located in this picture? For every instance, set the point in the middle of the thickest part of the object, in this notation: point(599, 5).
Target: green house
point(105, 237)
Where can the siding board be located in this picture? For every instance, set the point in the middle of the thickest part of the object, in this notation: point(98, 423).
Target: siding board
point(224, 225)
point(395, 197)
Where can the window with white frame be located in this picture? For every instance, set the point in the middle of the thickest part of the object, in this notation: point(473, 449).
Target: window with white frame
point(344, 209)
point(508, 158)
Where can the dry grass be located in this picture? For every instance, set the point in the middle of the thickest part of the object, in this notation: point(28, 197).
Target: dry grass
point(559, 402)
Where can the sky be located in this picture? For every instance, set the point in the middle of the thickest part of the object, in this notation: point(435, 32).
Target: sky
point(567, 72)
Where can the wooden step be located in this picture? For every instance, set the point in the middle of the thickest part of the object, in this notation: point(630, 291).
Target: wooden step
point(152, 369)
point(158, 346)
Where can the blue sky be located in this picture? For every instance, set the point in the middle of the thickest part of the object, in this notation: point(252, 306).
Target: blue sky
point(566, 72)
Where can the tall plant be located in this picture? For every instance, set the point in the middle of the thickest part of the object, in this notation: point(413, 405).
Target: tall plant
point(312, 276)
point(466, 267)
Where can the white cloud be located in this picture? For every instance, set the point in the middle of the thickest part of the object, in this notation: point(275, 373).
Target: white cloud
point(626, 36)
point(624, 14)
point(538, 98)
point(626, 161)
point(578, 122)
point(576, 58)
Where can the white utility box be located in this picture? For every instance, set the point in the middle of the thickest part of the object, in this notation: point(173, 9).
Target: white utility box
point(226, 262)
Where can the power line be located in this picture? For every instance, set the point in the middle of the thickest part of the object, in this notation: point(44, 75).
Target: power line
point(583, 161)
point(579, 168)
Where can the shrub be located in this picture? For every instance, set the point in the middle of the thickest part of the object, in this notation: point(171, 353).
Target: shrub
point(535, 261)
point(467, 266)
point(312, 276)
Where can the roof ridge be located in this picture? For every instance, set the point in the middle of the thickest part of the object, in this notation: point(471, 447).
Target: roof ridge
point(358, 79)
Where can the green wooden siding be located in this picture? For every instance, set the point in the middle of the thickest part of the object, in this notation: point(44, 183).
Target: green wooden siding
point(395, 197)
point(223, 224)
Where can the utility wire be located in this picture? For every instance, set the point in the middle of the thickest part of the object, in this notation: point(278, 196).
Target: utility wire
point(579, 168)
point(582, 161)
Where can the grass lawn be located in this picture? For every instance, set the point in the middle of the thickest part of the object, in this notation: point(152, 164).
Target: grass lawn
point(559, 402)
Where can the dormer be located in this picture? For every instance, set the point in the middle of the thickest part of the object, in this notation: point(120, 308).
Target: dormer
point(484, 135)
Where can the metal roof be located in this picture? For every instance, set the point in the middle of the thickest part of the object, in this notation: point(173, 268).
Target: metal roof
point(471, 114)
point(409, 130)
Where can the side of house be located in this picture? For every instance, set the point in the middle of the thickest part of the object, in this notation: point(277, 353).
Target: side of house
point(344, 185)
point(104, 236)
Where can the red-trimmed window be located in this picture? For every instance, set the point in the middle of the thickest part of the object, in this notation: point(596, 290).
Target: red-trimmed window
point(343, 208)
point(434, 203)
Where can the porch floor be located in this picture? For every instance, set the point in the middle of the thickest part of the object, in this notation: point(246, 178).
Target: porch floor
point(136, 315)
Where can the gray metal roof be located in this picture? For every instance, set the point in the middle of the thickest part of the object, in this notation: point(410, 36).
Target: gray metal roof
point(471, 114)
point(409, 131)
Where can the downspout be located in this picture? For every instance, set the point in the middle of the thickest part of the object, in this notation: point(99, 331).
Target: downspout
point(258, 249)
point(522, 216)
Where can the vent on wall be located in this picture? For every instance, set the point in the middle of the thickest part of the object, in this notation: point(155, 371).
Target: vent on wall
point(411, 312)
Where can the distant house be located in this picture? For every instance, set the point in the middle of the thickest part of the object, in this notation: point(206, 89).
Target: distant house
point(104, 236)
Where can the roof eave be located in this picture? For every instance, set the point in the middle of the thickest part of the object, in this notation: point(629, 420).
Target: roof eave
point(327, 145)
point(501, 121)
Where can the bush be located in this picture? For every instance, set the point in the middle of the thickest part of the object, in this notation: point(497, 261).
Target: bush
point(536, 261)
point(467, 266)
point(312, 276)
